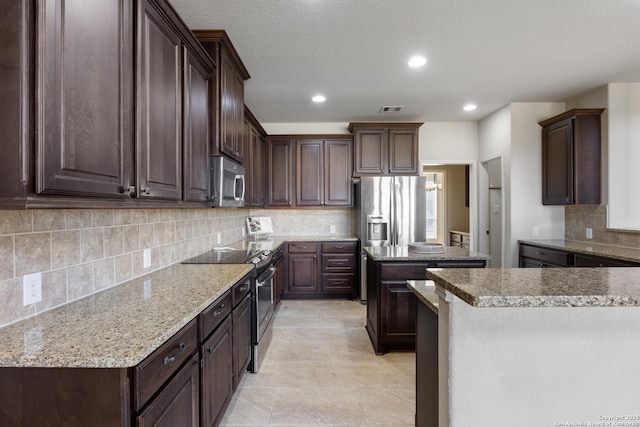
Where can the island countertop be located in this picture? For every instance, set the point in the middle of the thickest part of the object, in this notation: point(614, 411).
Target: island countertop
point(118, 327)
point(545, 287)
point(425, 290)
point(402, 253)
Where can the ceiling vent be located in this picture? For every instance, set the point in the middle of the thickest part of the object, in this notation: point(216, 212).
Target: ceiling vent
point(390, 109)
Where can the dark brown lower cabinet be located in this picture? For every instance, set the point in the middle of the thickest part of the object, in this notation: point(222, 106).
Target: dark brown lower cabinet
point(179, 403)
point(426, 367)
point(217, 374)
point(532, 256)
point(321, 269)
point(391, 306)
point(241, 339)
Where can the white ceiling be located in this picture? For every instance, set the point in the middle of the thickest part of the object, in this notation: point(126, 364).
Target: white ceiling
point(355, 52)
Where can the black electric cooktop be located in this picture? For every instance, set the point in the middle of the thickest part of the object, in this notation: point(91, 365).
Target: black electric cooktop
point(221, 257)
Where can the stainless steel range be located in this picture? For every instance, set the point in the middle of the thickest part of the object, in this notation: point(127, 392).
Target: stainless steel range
point(261, 290)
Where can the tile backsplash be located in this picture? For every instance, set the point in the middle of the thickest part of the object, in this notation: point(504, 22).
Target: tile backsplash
point(83, 251)
point(578, 218)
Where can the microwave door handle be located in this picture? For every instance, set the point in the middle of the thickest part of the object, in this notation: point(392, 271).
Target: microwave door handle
point(241, 179)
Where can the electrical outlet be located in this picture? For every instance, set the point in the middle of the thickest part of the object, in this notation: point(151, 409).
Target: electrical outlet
point(146, 258)
point(589, 233)
point(32, 288)
point(218, 238)
point(243, 231)
point(146, 293)
point(332, 229)
point(536, 231)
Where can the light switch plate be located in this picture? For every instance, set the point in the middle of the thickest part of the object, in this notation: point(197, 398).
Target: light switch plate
point(535, 232)
point(32, 288)
point(589, 233)
point(332, 229)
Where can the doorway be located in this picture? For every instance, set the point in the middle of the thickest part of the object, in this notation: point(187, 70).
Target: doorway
point(494, 207)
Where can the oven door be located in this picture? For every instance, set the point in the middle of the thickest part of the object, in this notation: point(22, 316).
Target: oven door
point(263, 315)
point(264, 298)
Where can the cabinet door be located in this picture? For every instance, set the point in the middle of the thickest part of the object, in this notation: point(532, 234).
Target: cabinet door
point(258, 154)
point(403, 151)
point(240, 137)
point(309, 173)
point(217, 374)
point(84, 85)
point(196, 129)
point(338, 167)
point(557, 163)
point(370, 151)
point(241, 339)
point(397, 312)
point(303, 273)
point(279, 173)
point(160, 107)
point(178, 403)
point(227, 105)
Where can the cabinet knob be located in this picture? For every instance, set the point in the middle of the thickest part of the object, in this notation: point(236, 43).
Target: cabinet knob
point(144, 191)
point(130, 190)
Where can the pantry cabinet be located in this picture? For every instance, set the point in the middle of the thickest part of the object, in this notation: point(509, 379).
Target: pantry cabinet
point(385, 148)
point(571, 158)
point(109, 114)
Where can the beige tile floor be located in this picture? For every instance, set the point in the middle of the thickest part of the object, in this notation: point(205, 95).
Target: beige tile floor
point(320, 370)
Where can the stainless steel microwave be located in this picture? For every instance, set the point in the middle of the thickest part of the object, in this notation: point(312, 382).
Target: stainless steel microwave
point(227, 183)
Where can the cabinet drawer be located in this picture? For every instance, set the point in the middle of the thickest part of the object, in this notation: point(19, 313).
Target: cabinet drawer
point(156, 369)
point(455, 238)
point(338, 282)
point(211, 316)
point(559, 258)
point(339, 247)
point(593, 261)
point(403, 271)
point(240, 290)
point(466, 240)
point(303, 247)
point(345, 263)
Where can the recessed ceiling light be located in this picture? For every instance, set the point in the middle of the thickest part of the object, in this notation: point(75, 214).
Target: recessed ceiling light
point(319, 98)
point(469, 107)
point(417, 61)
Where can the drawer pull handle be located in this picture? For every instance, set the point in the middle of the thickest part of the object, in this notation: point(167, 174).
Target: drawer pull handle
point(170, 359)
point(338, 262)
point(219, 312)
point(542, 253)
point(338, 247)
point(244, 287)
point(338, 282)
point(303, 247)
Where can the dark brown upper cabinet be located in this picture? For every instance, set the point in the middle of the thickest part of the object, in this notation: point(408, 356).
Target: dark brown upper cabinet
point(159, 102)
point(227, 95)
point(280, 172)
point(571, 158)
point(323, 172)
point(255, 161)
point(117, 94)
point(196, 128)
point(84, 99)
point(385, 148)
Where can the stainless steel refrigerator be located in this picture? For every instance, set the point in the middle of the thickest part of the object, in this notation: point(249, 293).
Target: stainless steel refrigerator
point(390, 211)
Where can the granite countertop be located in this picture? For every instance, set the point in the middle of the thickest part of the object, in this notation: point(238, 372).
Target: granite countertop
point(119, 327)
point(401, 253)
point(616, 252)
point(425, 290)
point(542, 287)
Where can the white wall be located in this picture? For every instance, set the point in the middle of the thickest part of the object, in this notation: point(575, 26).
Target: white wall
point(513, 133)
point(624, 144)
point(527, 210)
point(448, 142)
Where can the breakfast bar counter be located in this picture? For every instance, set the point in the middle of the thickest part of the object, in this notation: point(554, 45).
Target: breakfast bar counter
point(537, 347)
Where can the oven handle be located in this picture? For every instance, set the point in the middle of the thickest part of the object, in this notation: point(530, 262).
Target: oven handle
point(272, 272)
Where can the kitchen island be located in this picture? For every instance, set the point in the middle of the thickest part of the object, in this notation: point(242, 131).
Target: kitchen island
point(537, 347)
point(391, 306)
